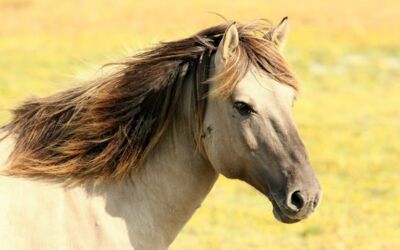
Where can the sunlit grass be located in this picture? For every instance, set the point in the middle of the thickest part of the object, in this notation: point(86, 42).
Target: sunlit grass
point(346, 54)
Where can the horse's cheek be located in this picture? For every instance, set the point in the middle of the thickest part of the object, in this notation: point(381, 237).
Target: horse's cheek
point(250, 138)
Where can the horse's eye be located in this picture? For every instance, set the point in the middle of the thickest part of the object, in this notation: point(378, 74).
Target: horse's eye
point(244, 109)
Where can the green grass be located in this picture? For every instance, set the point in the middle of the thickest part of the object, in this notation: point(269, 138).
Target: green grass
point(347, 56)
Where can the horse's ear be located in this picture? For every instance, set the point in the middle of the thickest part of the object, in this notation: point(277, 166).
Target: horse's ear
point(228, 44)
point(278, 34)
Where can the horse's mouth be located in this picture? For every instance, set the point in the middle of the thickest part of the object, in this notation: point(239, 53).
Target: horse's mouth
point(279, 214)
point(282, 217)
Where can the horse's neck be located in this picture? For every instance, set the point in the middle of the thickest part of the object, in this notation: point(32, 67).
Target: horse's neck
point(154, 203)
point(159, 200)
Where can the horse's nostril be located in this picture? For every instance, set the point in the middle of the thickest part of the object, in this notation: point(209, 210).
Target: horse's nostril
point(296, 201)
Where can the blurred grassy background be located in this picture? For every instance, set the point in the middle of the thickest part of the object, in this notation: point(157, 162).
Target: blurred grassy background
point(346, 54)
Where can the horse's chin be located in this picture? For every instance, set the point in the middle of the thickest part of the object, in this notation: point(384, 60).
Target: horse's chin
point(283, 218)
point(278, 214)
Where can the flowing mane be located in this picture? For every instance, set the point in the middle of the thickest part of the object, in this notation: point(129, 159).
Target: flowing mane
point(104, 129)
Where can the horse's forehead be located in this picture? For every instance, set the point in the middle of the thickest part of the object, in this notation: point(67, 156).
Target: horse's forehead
point(259, 87)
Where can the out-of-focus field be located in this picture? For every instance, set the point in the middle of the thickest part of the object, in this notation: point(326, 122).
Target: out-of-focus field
point(347, 55)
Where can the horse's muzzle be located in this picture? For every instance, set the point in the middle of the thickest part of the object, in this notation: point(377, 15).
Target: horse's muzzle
point(296, 207)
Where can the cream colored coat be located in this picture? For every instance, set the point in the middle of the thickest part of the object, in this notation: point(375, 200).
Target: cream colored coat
point(133, 215)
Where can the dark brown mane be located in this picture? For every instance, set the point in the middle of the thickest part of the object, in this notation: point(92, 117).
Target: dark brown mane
point(104, 129)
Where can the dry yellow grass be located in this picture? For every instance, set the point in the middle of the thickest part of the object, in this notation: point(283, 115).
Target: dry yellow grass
point(347, 55)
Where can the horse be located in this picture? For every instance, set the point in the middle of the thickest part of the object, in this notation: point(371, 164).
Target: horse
point(123, 161)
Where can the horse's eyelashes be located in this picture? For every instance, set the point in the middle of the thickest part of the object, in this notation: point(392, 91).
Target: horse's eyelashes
point(243, 108)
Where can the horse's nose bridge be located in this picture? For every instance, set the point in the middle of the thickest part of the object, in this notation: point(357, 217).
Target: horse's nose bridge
point(304, 178)
point(296, 152)
point(297, 155)
point(302, 175)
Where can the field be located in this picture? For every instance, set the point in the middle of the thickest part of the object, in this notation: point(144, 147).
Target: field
point(346, 54)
